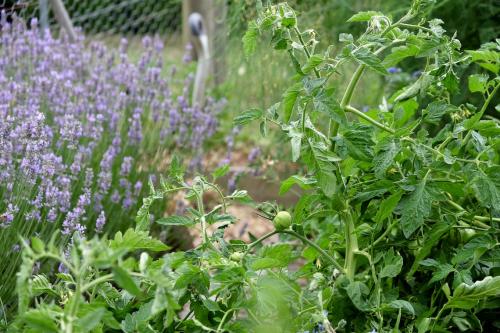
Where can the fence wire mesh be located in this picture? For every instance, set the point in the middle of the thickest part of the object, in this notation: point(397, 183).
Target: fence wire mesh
point(122, 17)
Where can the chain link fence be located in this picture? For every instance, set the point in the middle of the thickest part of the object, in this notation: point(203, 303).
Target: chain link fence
point(124, 17)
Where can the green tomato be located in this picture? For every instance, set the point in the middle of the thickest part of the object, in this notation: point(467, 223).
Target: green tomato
point(414, 247)
point(282, 220)
point(236, 256)
point(466, 234)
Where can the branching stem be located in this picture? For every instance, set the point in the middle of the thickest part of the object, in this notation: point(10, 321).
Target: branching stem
point(303, 239)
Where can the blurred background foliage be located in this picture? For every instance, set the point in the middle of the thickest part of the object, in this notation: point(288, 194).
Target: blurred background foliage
point(265, 77)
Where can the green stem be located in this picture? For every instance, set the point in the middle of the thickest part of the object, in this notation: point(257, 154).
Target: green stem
point(304, 119)
point(382, 237)
point(372, 266)
point(303, 239)
point(372, 121)
point(221, 324)
point(346, 99)
point(203, 222)
point(316, 247)
point(73, 307)
point(351, 245)
point(201, 210)
point(417, 27)
point(486, 219)
point(184, 319)
point(477, 220)
point(97, 281)
point(308, 54)
point(437, 152)
point(445, 143)
point(221, 195)
point(481, 112)
point(438, 316)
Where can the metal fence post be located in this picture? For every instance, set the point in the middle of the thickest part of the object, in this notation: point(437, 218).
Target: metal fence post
point(44, 15)
point(63, 18)
point(213, 12)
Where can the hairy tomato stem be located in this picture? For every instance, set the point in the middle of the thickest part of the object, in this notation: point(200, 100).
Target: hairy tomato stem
point(303, 239)
point(351, 244)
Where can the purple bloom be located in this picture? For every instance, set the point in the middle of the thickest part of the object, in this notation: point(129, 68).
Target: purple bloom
point(416, 74)
point(126, 166)
point(188, 53)
point(8, 217)
point(394, 70)
point(100, 222)
point(253, 155)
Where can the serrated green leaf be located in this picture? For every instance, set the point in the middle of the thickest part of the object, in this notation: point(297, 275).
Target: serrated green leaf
point(364, 16)
point(136, 240)
point(369, 59)
point(467, 296)
point(393, 263)
point(279, 255)
point(400, 53)
point(124, 280)
point(176, 220)
point(90, 320)
point(313, 62)
point(387, 206)
point(325, 103)
point(357, 292)
point(486, 58)
point(265, 263)
point(324, 162)
point(441, 272)
point(436, 110)
point(432, 238)
point(487, 128)
point(248, 116)
point(486, 185)
point(250, 39)
point(302, 182)
point(289, 99)
point(404, 305)
point(415, 207)
point(40, 320)
point(388, 150)
point(356, 142)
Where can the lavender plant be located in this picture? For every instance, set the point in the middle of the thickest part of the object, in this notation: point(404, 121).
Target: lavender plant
point(82, 128)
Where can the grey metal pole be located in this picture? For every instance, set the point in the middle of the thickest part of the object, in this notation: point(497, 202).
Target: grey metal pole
point(44, 15)
point(63, 18)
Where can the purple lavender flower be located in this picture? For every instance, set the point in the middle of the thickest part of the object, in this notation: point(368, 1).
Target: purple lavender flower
point(8, 217)
point(416, 74)
point(126, 166)
point(188, 53)
point(253, 155)
point(100, 222)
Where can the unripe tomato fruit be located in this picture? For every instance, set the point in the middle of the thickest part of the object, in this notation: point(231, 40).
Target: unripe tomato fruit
point(282, 220)
point(466, 234)
point(236, 256)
